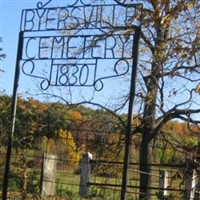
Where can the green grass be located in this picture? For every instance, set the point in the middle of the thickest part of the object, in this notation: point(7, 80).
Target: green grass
point(68, 185)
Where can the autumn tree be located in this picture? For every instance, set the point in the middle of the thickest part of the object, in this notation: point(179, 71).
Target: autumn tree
point(29, 125)
point(55, 117)
point(5, 103)
point(67, 148)
point(110, 148)
point(30, 121)
point(168, 71)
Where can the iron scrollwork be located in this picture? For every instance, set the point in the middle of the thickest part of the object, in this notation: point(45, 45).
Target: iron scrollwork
point(81, 2)
point(41, 5)
point(118, 71)
point(30, 70)
point(82, 75)
point(78, 45)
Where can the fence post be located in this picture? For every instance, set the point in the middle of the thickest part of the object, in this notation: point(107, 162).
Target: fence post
point(85, 174)
point(48, 176)
point(197, 190)
point(190, 184)
point(163, 183)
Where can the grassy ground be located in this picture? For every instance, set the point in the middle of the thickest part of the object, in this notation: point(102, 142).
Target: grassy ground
point(67, 185)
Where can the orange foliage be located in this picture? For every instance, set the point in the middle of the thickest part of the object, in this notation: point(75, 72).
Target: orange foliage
point(75, 115)
point(178, 128)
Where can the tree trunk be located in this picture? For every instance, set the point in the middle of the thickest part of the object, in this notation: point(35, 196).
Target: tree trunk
point(145, 169)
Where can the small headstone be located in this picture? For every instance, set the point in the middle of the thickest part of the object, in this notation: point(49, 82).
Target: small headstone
point(85, 174)
point(163, 182)
point(48, 178)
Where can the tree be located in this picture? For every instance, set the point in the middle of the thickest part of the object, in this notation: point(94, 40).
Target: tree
point(168, 71)
point(29, 125)
point(55, 117)
point(5, 103)
point(29, 121)
point(67, 148)
point(110, 149)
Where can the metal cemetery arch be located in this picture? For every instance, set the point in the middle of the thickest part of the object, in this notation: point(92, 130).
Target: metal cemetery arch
point(73, 59)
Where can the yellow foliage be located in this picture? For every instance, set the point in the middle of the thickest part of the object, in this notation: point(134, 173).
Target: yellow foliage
point(63, 134)
point(189, 5)
point(197, 89)
point(66, 146)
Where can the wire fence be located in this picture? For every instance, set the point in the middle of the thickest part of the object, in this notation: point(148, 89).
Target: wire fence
point(85, 161)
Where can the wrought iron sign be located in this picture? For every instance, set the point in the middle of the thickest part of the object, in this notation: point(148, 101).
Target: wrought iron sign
point(65, 46)
point(79, 44)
